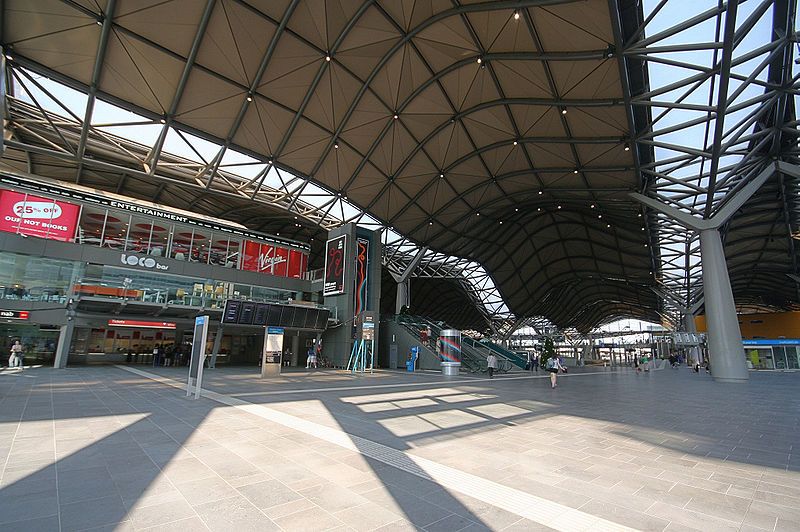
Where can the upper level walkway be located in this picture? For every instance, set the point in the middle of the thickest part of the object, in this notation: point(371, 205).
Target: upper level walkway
point(607, 450)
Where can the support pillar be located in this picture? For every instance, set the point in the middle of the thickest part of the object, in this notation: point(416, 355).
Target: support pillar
point(215, 348)
point(403, 295)
point(64, 342)
point(296, 349)
point(725, 347)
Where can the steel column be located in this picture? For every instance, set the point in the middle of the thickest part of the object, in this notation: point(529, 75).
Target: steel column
point(725, 348)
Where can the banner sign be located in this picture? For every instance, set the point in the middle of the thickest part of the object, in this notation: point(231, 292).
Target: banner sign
point(362, 275)
point(335, 255)
point(142, 324)
point(41, 217)
point(153, 212)
point(14, 314)
point(274, 260)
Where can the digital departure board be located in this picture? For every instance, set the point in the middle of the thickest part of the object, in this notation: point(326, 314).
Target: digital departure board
point(274, 315)
point(231, 312)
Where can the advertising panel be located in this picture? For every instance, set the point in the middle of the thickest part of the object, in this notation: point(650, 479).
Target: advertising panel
point(362, 275)
point(280, 262)
point(295, 268)
point(335, 254)
point(41, 217)
point(141, 324)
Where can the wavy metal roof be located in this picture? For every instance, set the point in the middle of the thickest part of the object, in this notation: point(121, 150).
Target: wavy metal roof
point(509, 133)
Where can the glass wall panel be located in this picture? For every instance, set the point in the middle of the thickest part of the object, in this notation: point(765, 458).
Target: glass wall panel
point(36, 278)
point(90, 226)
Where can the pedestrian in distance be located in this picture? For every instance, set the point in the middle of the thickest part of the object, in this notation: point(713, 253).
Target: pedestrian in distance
point(156, 355)
point(553, 367)
point(311, 359)
point(491, 364)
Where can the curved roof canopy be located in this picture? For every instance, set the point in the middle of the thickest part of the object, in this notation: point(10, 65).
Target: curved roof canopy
point(494, 131)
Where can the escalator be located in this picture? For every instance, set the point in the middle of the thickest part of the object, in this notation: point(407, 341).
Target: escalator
point(473, 353)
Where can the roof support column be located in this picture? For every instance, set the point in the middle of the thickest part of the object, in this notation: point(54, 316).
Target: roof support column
point(403, 295)
point(725, 346)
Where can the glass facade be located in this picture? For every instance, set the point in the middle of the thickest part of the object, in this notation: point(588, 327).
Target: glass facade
point(37, 278)
point(117, 229)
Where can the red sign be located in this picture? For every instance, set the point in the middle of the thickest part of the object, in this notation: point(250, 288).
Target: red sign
point(281, 262)
point(295, 268)
point(41, 217)
point(142, 324)
point(266, 258)
point(14, 314)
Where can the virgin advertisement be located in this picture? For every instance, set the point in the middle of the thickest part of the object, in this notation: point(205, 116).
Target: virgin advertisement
point(40, 217)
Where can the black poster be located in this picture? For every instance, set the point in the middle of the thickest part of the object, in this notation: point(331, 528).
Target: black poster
point(335, 254)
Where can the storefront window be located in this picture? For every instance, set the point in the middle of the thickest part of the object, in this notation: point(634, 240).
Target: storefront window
point(36, 278)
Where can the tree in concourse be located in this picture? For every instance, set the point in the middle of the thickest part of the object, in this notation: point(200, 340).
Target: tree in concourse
point(548, 351)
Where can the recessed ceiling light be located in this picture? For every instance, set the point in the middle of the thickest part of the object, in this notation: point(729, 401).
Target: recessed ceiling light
point(327, 58)
point(516, 15)
point(480, 60)
point(540, 192)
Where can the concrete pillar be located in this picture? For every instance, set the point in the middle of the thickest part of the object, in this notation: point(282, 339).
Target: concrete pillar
point(724, 336)
point(403, 295)
point(215, 348)
point(296, 349)
point(64, 342)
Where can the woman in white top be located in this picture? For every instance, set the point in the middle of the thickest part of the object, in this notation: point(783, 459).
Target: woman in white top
point(553, 366)
point(491, 365)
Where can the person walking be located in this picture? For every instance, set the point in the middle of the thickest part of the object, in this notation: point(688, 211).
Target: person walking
point(311, 359)
point(553, 366)
point(156, 355)
point(491, 364)
point(17, 356)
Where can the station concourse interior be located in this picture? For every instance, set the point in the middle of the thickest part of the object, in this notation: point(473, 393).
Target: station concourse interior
point(379, 266)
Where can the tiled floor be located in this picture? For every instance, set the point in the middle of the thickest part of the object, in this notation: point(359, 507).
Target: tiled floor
point(104, 448)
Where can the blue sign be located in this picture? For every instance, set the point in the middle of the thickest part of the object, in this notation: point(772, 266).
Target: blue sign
point(200, 320)
point(776, 341)
point(274, 330)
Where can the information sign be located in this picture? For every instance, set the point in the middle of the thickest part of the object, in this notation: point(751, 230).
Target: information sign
point(198, 356)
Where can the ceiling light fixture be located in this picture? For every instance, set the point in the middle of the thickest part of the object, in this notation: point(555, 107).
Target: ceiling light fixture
point(328, 58)
point(516, 15)
point(627, 147)
point(563, 110)
point(540, 192)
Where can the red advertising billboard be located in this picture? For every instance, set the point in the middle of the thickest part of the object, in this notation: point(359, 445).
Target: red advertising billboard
point(295, 268)
point(267, 258)
point(257, 257)
point(34, 216)
point(281, 262)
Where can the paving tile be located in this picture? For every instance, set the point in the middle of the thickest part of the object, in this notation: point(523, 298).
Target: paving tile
point(269, 493)
point(205, 490)
point(234, 514)
point(92, 513)
point(40, 524)
point(160, 514)
point(313, 519)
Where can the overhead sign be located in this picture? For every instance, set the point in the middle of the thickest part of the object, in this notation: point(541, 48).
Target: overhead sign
point(40, 217)
point(142, 261)
point(776, 341)
point(335, 255)
point(142, 324)
point(14, 315)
